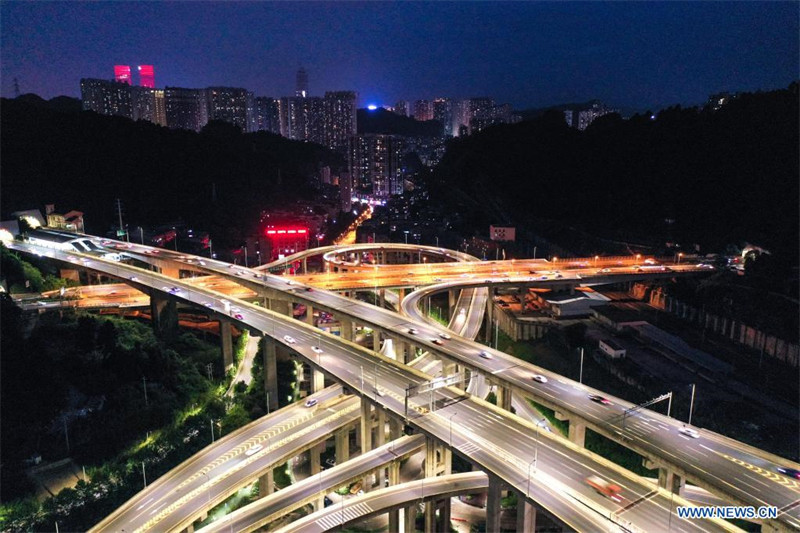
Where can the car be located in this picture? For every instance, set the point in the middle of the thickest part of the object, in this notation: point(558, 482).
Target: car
point(689, 432)
point(201, 262)
point(133, 278)
point(309, 289)
point(705, 265)
point(540, 378)
point(437, 342)
point(208, 304)
point(41, 303)
point(791, 472)
point(330, 461)
point(174, 290)
point(609, 490)
point(604, 271)
point(488, 281)
point(559, 275)
point(289, 282)
point(485, 354)
point(253, 449)
point(316, 349)
point(445, 336)
point(599, 399)
point(649, 261)
point(311, 402)
point(289, 339)
point(376, 391)
point(412, 331)
point(437, 279)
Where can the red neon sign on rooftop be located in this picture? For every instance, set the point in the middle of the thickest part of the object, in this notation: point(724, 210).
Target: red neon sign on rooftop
point(293, 231)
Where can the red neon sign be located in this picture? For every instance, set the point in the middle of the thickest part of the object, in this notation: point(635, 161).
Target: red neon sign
point(292, 231)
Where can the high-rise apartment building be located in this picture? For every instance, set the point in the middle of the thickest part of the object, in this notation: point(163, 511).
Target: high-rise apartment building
point(106, 97)
point(301, 83)
point(147, 76)
point(293, 118)
point(443, 112)
point(268, 114)
point(122, 74)
point(373, 164)
point(186, 108)
point(461, 117)
point(401, 108)
point(340, 118)
point(233, 105)
point(423, 110)
point(149, 104)
point(587, 116)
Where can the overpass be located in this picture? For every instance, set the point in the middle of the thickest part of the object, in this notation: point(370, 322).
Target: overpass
point(475, 421)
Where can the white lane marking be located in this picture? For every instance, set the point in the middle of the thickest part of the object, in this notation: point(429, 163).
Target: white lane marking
point(145, 503)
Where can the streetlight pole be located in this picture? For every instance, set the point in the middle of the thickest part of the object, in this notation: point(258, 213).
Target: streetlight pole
point(211, 423)
point(534, 252)
point(144, 388)
point(144, 476)
point(580, 376)
point(451, 428)
point(691, 405)
point(209, 486)
point(141, 234)
point(245, 255)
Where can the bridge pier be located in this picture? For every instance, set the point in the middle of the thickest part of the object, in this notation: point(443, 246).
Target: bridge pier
point(266, 484)
point(493, 503)
point(401, 293)
point(382, 298)
point(503, 395)
point(226, 339)
point(409, 519)
point(342, 439)
point(489, 315)
point(164, 314)
point(437, 463)
point(668, 479)
point(305, 265)
point(452, 300)
point(526, 515)
point(309, 315)
point(317, 380)
point(346, 329)
point(376, 340)
point(269, 353)
point(316, 467)
point(577, 432)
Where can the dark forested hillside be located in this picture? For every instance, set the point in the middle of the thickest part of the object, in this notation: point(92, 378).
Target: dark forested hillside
point(383, 121)
point(695, 176)
point(84, 161)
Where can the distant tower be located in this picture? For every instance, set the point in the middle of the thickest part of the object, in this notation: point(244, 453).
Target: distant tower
point(122, 73)
point(302, 83)
point(147, 76)
point(16, 88)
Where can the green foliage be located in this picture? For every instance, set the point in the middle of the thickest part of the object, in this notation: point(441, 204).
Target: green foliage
point(617, 453)
point(560, 425)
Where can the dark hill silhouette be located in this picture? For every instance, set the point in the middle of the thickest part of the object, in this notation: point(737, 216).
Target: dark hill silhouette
point(84, 161)
point(691, 175)
point(383, 121)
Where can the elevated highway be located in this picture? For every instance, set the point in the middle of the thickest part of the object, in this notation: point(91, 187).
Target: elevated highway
point(489, 437)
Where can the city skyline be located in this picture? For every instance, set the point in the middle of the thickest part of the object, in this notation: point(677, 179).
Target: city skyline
point(627, 55)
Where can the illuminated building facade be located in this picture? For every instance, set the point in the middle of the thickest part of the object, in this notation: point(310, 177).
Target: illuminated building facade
point(122, 74)
point(423, 110)
point(401, 108)
point(148, 104)
point(339, 119)
point(268, 114)
point(286, 240)
point(373, 165)
point(233, 105)
point(301, 83)
point(147, 76)
point(185, 108)
point(106, 97)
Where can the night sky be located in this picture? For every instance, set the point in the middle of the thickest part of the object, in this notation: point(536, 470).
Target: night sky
point(630, 55)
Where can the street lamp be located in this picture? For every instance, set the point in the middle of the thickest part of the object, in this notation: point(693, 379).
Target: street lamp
point(595, 259)
point(691, 405)
point(680, 254)
point(406, 235)
point(580, 375)
point(451, 428)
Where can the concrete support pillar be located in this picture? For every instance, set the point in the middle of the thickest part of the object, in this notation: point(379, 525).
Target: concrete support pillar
point(395, 428)
point(380, 434)
point(157, 306)
point(577, 432)
point(171, 272)
point(346, 327)
point(366, 426)
point(503, 395)
point(317, 380)
point(490, 316)
point(401, 293)
point(227, 343)
point(316, 467)
point(382, 298)
point(526, 515)
point(394, 520)
point(452, 298)
point(671, 481)
point(266, 484)
point(493, 503)
point(443, 524)
point(309, 315)
point(409, 519)
point(305, 265)
point(270, 355)
point(342, 438)
point(376, 340)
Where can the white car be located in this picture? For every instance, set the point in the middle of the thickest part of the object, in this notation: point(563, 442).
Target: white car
point(485, 354)
point(253, 449)
point(445, 336)
point(539, 378)
point(289, 339)
point(689, 432)
point(310, 402)
point(316, 349)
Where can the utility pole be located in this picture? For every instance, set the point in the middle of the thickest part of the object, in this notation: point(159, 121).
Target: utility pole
point(580, 376)
point(144, 387)
point(16, 95)
point(119, 214)
point(691, 405)
point(144, 476)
